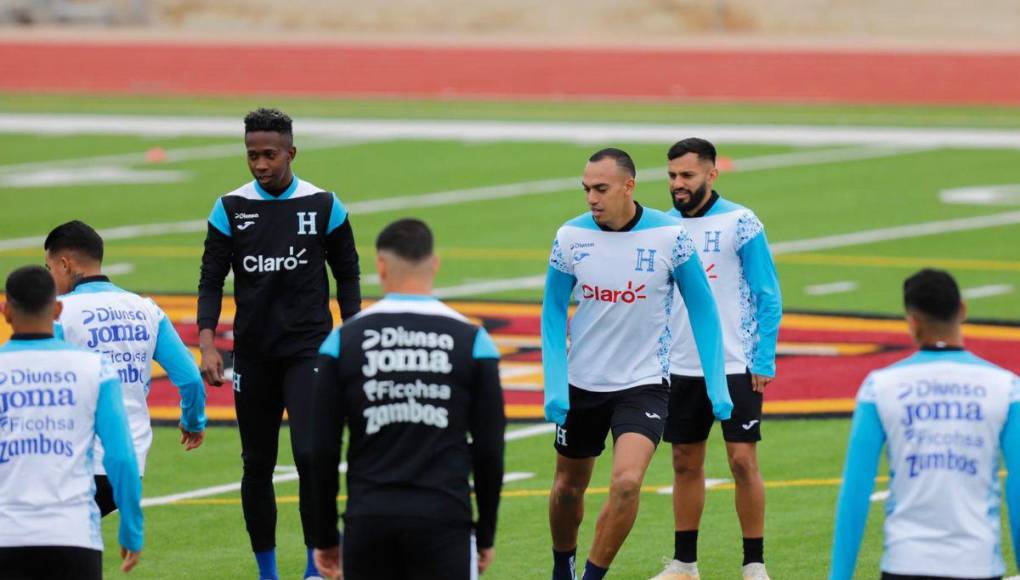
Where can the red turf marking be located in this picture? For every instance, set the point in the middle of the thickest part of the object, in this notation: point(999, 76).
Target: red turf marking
point(330, 70)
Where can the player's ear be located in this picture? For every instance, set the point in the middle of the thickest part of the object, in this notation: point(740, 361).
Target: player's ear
point(435, 265)
point(58, 307)
point(293, 152)
point(962, 315)
point(380, 267)
point(6, 309)
point(913, 324)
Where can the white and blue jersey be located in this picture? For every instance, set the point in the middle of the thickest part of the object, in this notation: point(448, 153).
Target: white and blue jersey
point(54, 399)
point(131, 332)
point(947, 416)
point(623, 282)
point(732, 246)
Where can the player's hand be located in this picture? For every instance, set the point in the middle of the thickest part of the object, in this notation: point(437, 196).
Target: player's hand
point(556, 411)
point(328, 562)
point(722, 410)
point(212, 365)
point(130, 559)
point(191, 440)
point(759, 382)
point(485, 558)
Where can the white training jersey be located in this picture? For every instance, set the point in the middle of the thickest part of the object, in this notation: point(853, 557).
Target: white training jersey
point(48, 398)
point(623, 282)
point(731, 243)
point(942, 413)
point(131, 332)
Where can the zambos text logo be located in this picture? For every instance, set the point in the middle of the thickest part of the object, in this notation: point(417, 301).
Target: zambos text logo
point(628, 295)
point(39, 445)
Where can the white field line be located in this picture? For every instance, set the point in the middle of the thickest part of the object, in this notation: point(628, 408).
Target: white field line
point(709, 484)
point(178, 155)
point(403, 203)
point(880, 495)
point(288, 475)
point(118, 269)
point(986, 291)
point(897, 233)
point(490, 286)
point(489, 131)
point(830, 288)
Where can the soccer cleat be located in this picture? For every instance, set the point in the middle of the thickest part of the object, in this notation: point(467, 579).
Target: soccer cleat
point(755, 571)
point(677, 570)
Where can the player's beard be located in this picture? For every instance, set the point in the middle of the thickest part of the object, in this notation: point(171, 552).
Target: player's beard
point(697, 196)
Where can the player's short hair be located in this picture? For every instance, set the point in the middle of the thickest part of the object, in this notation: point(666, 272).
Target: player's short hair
point(30, 290)
point(933, 293)
point(408, 238)
point(700, 147)
point(75, 236)
point(273, 120)
point(622, 159)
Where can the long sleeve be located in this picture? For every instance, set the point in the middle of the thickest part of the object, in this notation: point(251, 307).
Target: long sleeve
point(760, 273)
point(216, 259)
point(176, 359)
point(342, 256)
point(487, 428)
point(689, 276)
point(119, 460)
point(1010, 441)
point(327, 429)
point(865, 448)
point(558, 286)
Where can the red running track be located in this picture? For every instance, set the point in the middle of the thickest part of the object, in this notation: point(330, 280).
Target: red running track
point(523, 73)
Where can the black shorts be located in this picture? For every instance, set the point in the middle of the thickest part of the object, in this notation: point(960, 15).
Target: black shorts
point(592, 415)
point(690, 411)
point(396, 548)
point(50, 563)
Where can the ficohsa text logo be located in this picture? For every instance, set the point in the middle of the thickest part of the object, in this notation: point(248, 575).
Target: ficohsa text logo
point(628, 295)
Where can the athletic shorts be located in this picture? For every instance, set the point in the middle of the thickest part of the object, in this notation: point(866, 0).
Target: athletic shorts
point(690, 411)
point(50, 563)
point(593, 415)
point(400, 548)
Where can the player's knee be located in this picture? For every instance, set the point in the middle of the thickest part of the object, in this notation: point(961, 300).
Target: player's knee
point(566, 491)
point(258, 467)
point(687, 465)
point(626, 485)
point(744, 466)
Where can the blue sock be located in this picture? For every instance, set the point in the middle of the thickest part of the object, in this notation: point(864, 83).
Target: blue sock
point(267, 565)
point(310, 569)
point(593, 572)
point(563, 565)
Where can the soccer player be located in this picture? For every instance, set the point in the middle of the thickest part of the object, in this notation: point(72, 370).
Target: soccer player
point(624, 261)
point(130, 332)
point(54, 400)
point(411, 379)
point(945, 416)
point(277, 233)
point(731, 242)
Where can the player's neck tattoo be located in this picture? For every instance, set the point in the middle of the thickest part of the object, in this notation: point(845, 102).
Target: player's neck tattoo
point(76, 278)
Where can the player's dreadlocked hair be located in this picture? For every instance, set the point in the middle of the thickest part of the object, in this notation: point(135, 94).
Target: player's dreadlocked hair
point(263, 119)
